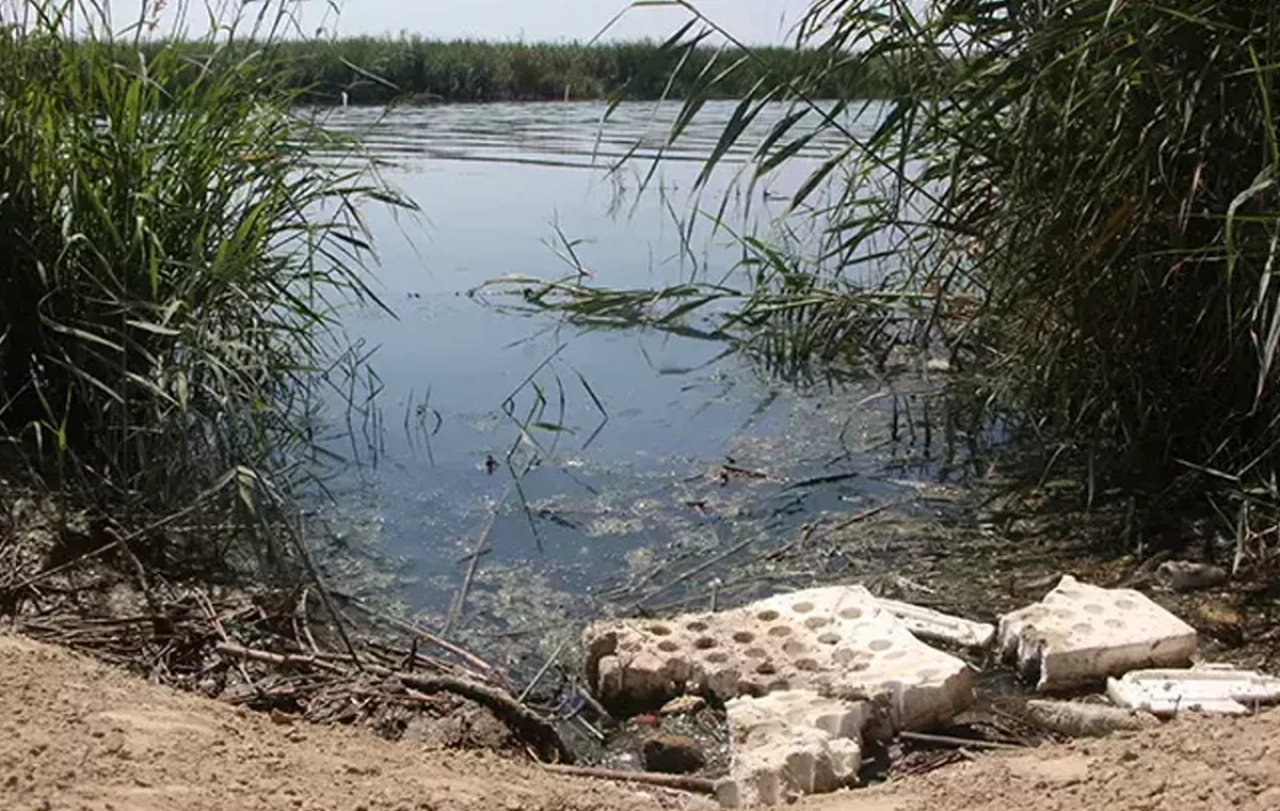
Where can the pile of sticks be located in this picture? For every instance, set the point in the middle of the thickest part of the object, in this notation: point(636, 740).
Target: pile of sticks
point(274, 650)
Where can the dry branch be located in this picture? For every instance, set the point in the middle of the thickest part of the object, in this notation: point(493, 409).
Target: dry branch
point(698, 785)
point(527, 724)
point(948, 740)
point(283, 660)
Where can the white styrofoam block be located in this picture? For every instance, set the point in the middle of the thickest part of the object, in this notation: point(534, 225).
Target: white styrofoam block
point(1210, 689)
point(1081, 633)
point(936, 626)
point(837, 641)
point(788, 744)
point(863, 651)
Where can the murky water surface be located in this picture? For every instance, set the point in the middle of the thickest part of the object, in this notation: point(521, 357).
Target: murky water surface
point(657, 464)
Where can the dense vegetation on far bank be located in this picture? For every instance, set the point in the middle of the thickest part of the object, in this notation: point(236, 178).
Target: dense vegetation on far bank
point(382, 70)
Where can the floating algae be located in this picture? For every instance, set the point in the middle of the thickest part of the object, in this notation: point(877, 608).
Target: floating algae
point(612, 525)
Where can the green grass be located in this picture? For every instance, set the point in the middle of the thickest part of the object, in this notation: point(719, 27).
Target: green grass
point(383, 70)
point(173, 254)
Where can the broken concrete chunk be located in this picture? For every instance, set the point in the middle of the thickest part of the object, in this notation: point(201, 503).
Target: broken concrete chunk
point(791, 743)
point(837, 641)
point(1086, 720)
point(938, 627)
point(1210, 689)
point(1184, 575)
point(1081, 633)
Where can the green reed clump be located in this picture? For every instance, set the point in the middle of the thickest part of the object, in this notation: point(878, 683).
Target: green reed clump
point(381, 70)
point(173, 251)
point(1102, 175)
point(1076, 198)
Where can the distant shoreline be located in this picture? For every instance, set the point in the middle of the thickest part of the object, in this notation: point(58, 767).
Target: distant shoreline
point(385, 70)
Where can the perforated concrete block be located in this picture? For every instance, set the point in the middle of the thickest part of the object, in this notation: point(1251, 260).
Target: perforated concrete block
point(1212, 689)
point(836, 641)
point(1081, 633)
point(791, 743)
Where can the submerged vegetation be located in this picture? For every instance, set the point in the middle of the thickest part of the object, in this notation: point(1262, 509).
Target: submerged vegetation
point(1074, 200)
point(173, 255)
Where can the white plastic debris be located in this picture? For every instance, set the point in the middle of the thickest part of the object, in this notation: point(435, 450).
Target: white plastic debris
point(1210, 689)
point(938, 627)
point(1081, 633)
point(788, 744)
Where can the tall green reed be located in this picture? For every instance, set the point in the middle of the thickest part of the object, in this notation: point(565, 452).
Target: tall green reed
point(1076, 199)
point(174, 252)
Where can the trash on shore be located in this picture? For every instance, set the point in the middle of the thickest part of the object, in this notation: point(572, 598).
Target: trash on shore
point(808, 678)
point(1208, 688)
point(1081, 633)
point(835, 640)
point(934, 626)
point(791, 743)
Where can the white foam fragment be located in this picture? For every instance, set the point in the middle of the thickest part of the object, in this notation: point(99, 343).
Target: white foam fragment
point(1211, 689)
point(788, 744)
point(1081, 633)
point(936, 626)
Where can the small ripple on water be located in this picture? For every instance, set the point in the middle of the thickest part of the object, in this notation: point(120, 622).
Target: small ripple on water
point(568, 134)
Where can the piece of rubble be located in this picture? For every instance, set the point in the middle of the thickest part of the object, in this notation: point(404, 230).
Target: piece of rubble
point(1081, 633)
point(672, 754)
point(937, 365)
point(938, 627)
point(1206, 688)
point(1082, 720)
point(791, 743)
point(683, 705)
point(837, 641)
point(1185, 575)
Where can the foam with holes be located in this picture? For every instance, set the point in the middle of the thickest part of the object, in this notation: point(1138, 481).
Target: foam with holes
point(1081, 633)
point(836, 641)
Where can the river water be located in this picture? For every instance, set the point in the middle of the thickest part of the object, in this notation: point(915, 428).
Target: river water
point(669, 461)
